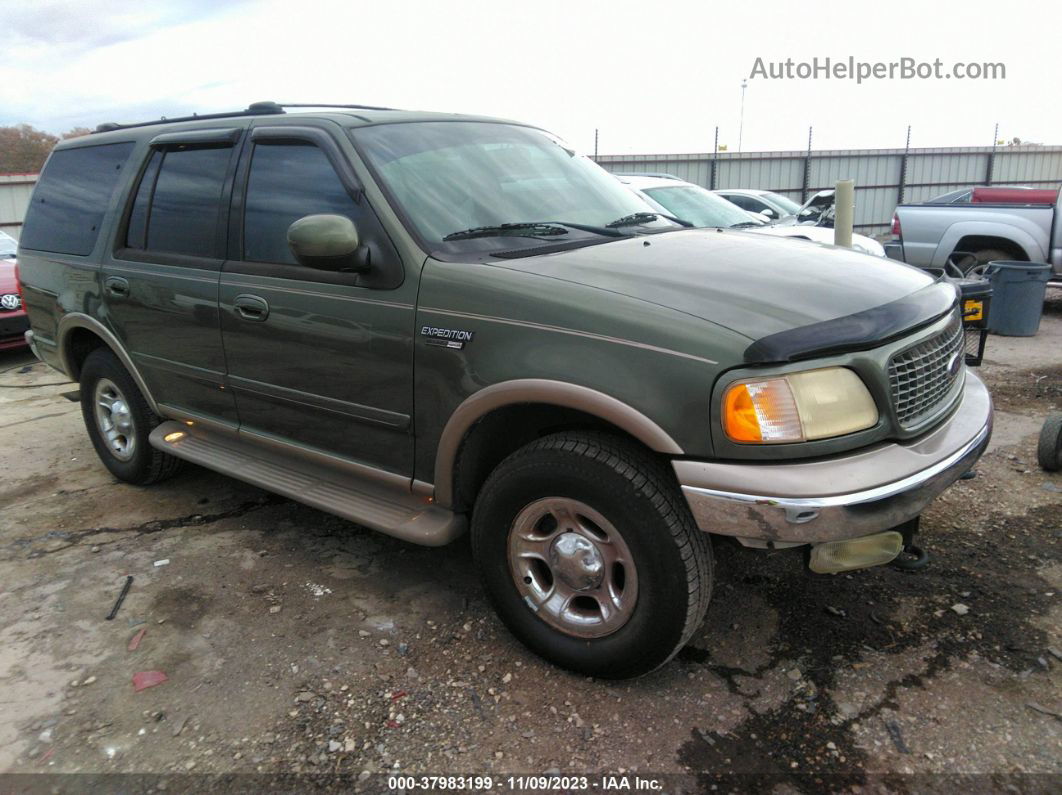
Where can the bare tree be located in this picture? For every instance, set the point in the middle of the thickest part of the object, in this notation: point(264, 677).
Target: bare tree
point(77, 132)
point(23, 149)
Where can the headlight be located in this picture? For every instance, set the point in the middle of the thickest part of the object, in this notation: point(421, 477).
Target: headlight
point(798, 407)
point(870, 246)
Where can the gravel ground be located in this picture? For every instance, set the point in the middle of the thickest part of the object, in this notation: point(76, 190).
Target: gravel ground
point(296, 644)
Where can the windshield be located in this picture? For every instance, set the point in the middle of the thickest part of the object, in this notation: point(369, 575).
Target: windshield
point(451, 177)
point(8, 246)
point(699, 206)
point(787, 204)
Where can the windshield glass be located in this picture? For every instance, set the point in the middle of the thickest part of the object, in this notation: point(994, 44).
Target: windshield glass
point(448, 177)
point(7, 245)
point(698, 206)
point(790, 206)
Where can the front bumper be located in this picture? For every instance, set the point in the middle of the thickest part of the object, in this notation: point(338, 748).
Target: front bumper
point(13, 326)
point(844, 496)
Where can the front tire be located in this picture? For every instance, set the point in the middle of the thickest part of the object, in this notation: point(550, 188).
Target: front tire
point(119, 421)
point(590, 555)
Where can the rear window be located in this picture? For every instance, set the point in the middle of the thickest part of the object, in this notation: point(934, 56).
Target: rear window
point(71, 197)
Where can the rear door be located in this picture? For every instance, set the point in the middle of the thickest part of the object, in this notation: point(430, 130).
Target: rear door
point(320, 359)
point(160, 286)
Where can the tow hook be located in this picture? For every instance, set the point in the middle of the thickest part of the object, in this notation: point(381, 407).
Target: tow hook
point(912, 557)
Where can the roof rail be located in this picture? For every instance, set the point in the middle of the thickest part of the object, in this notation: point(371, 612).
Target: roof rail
point(325, 105)
point(254, 109)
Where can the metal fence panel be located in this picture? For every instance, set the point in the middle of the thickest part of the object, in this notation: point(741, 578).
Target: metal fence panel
point(15, 191)
point(879, 174)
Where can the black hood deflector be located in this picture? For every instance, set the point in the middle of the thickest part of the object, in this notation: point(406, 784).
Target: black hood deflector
point(860, 331)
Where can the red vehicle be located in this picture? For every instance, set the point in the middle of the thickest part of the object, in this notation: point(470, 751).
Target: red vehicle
point(987, 195)
point(13, 322)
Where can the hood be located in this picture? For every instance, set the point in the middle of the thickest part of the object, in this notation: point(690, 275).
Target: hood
point(750, 283)
point(822, 234)
point(8, 284)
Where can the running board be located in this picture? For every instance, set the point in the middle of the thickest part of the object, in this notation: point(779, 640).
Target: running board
point(380, 506)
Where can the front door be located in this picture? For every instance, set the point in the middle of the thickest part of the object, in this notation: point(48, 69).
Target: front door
point(318, 358)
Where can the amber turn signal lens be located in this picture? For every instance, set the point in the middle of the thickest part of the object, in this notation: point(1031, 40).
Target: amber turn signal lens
point(739, 416)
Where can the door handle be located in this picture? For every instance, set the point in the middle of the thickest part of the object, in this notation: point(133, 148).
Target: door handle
point(116, 286)
point(251, 307)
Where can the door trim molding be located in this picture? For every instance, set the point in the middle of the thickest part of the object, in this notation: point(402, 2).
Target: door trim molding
point(357, 411)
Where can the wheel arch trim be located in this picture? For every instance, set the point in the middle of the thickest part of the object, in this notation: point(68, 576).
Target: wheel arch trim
point(78, 320)
point(541, 391)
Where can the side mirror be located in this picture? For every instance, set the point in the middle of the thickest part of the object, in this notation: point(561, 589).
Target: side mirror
point(768, 212)
point(328, 243)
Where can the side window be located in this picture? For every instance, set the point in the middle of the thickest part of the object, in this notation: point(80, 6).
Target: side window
point(71, 198)
point(288, 178)
point(288, 181)
point(176, 207)
point(136, 236)
point(745, 203)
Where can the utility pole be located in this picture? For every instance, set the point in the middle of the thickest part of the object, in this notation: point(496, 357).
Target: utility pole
point(807, 171)
point(715, 154)
point(595, 144)
point(990, 167)
point(741, 124)
point(903, 167)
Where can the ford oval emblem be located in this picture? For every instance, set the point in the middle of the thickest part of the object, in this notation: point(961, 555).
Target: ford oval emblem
point(954, 363)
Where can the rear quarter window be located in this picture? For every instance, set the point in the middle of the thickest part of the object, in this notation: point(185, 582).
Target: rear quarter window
point(71, 198)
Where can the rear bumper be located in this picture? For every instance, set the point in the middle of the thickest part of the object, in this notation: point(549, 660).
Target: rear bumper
point(894, 249)
point(845, 496)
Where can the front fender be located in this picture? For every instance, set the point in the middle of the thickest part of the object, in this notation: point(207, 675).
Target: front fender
point(545, 391)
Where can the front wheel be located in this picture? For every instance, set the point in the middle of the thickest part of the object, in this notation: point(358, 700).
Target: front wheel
point(590, 554)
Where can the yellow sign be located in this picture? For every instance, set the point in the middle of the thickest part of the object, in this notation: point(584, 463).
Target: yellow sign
point(973, 310)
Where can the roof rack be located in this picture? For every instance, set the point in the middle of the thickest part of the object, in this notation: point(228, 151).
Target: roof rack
point(254, 109)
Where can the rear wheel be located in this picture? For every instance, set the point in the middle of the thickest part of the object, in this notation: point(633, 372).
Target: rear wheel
point(976, 269)
point(1049, 448)
point(590, 555)
point(119, 420)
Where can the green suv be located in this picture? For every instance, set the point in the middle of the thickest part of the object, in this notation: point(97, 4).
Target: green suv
point(428, 323)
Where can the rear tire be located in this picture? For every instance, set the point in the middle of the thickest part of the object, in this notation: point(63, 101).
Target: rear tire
point(590, 554)
point(983, 257)
point(119, 421)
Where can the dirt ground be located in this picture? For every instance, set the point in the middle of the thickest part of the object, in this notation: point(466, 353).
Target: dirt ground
point(294, 643)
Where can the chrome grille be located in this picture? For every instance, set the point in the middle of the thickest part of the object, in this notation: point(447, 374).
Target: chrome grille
point(921, 376)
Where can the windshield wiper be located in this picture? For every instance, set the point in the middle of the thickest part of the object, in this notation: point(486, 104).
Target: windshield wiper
point(743, 224)
point(634, 219)
point(527, 229)
point(531, 229)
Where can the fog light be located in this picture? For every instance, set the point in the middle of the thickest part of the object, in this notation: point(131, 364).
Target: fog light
point(176, 436)
point(855, 553)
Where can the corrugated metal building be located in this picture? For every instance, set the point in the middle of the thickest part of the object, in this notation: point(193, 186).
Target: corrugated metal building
point(15, 190)
point(883, 177)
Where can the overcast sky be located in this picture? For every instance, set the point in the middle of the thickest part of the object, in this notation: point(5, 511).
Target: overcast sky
point(651, 76)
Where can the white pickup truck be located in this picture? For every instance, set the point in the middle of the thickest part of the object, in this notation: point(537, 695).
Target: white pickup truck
point(927, 235)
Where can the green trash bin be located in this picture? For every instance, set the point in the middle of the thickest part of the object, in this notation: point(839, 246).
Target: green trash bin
point(1018, 290)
